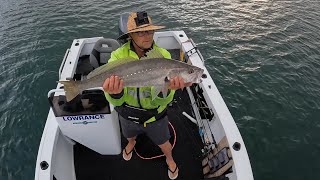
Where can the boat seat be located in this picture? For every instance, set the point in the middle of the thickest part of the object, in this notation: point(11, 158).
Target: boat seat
point(102, 50)
point(219, 160)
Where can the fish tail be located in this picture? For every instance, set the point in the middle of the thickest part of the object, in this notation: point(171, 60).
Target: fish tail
point(71, 89)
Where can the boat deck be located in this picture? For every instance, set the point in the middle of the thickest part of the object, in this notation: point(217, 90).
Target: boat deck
point(187, 153)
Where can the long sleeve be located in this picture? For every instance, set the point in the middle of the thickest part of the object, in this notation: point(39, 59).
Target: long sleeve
point(115, 99)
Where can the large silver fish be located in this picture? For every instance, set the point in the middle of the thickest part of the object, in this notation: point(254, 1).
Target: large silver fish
point(152, 70)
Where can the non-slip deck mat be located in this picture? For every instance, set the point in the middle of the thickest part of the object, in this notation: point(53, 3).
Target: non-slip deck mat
point(90, 165)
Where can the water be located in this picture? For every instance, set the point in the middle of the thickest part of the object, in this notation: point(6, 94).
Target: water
point(263, 56)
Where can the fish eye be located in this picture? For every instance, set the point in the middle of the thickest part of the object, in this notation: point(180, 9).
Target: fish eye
point(191, 71)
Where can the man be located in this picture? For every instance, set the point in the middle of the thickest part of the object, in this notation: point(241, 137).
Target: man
point(139, 30)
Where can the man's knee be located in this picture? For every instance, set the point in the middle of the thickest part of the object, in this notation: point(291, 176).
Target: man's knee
point(165, 145)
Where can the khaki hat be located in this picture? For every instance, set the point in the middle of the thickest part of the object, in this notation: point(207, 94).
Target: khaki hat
point(135, 22)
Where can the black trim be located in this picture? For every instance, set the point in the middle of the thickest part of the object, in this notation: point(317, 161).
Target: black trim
point(117, 96)
point(138, 96)
point(139, 115)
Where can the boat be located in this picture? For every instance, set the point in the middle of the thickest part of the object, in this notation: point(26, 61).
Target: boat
point(82, 140)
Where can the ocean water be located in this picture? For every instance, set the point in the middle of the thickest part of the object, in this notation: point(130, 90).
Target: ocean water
point(264, 57)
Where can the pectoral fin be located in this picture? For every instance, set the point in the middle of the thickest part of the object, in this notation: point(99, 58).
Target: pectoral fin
point(165, 89)
point(155, 90)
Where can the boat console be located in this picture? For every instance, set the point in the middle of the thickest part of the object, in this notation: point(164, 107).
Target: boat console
point(88, 119)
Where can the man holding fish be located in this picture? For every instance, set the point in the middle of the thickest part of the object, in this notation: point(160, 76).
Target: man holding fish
point(140, 32)
point(141, 82)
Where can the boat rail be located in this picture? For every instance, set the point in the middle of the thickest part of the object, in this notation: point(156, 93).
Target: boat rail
point(63, 62)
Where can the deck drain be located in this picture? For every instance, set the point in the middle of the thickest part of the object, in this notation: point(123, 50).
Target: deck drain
point(204, 76)
point(44, 165)
point(236, 146)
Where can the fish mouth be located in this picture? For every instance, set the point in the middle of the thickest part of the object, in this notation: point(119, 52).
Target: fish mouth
point(198, 78)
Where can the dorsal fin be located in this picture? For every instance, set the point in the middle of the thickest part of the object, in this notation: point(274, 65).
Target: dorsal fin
point(153, 53)
point(109, 66)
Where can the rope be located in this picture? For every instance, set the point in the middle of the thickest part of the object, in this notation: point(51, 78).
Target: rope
point(174, 143)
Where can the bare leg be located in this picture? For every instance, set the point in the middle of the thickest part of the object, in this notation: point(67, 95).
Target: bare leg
point(166, 148)
point(131, 143)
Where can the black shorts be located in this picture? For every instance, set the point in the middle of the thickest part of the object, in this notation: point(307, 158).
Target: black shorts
point(157, 131)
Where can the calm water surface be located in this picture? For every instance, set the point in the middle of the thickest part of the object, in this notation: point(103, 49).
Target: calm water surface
point(263, 56)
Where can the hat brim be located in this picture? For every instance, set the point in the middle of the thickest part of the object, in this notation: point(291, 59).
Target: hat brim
point(143, 28)
point(146, 28)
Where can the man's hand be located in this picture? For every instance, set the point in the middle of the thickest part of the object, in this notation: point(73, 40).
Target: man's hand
point(178, 83)
point(113, 85)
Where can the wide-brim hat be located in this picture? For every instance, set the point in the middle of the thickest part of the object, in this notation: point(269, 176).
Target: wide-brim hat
point(135, 22)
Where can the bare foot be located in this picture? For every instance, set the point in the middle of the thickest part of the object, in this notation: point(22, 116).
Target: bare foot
point(127, 151)
point(173, 169)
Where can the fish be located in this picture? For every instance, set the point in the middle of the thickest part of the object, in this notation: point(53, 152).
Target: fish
point(152, 70)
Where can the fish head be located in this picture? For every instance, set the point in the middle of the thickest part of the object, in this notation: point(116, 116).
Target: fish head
point(191, 74)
